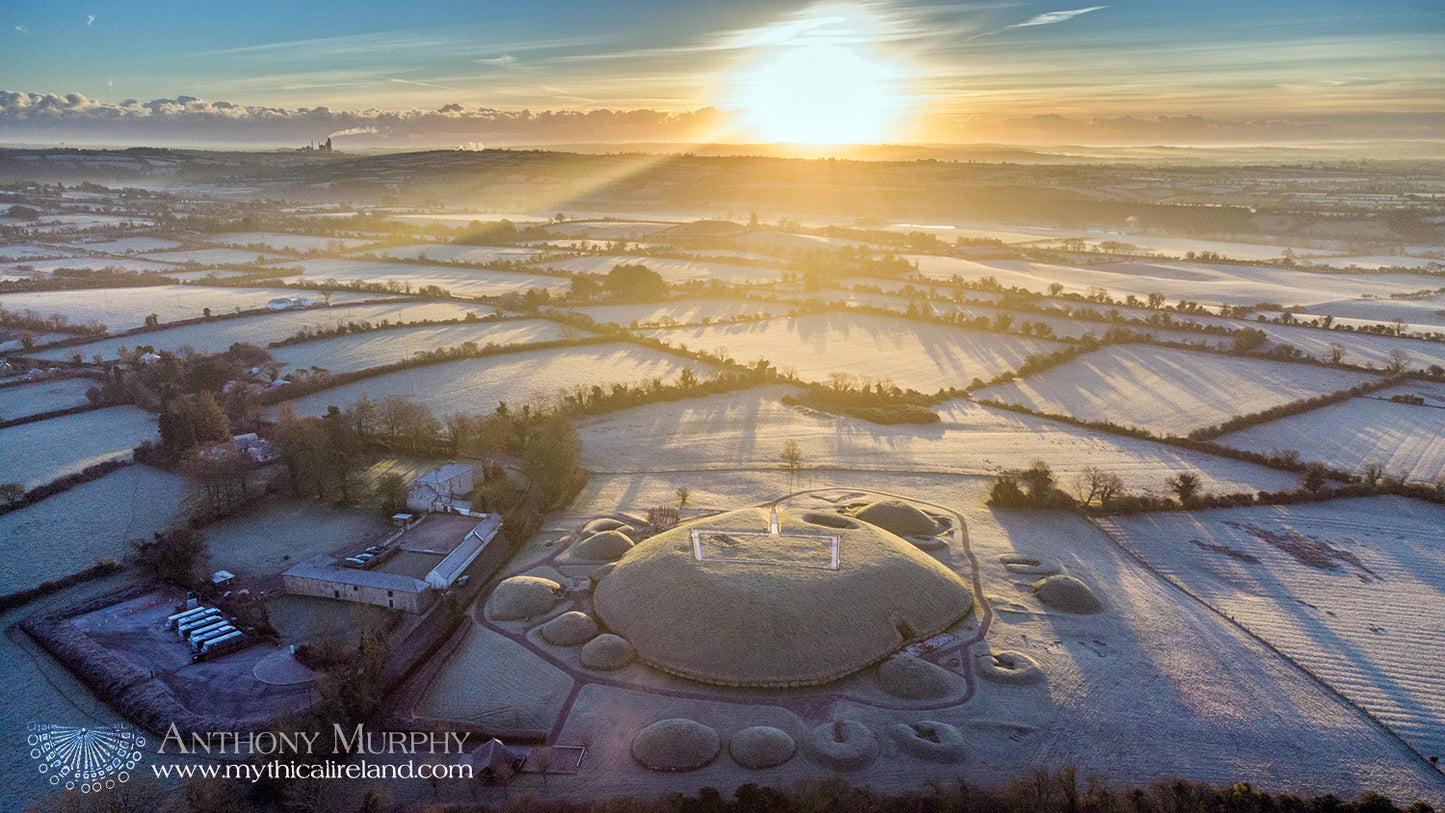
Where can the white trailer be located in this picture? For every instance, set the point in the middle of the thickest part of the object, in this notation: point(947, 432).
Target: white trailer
point(199, 640)
point(173, 620)
point(220, 646)
point(216, 623)
point(184, 628)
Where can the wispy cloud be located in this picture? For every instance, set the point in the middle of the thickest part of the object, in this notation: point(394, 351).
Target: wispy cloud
point(22, 29)
point(1051, 17)
point(89, 20)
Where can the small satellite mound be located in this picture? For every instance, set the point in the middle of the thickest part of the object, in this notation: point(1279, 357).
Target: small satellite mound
point(523, 597)
point(1068, 594)
point(678, 744)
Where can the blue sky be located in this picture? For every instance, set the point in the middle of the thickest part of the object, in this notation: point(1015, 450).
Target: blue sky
point(954, 60)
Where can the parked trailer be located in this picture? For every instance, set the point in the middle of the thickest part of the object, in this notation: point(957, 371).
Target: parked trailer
point(216, 623)
point(173, 620)
point(228, 643)
point(199, 640)
point(185, 628)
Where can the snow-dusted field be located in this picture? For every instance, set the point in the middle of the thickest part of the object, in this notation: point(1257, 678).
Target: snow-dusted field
point(746, 430)
point(36, 453)
point(126, 308)
point(279, 533)
point(529, 376)
point(218, 335)
point(1353, 590)
point(460, 281)
point(275, 240)
point(129, 245)
point(682, 311)
point(455, 253)
point(609, 229)
point(43, 396)
point(1165, 390)
point(673, 271)
point(213, 256)
point(95, 262)
point(1427, 314)
point(361, 350)
point(917, 355)
point(73, 530)
point(1208, 283)
point(1406, 439)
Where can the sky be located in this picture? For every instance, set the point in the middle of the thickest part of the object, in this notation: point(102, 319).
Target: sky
point(1131, 71)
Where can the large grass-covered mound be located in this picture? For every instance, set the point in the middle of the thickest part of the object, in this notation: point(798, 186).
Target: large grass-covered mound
point(678, 744)
point(764, 619)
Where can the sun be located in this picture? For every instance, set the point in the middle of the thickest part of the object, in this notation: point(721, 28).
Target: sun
point(821, 94)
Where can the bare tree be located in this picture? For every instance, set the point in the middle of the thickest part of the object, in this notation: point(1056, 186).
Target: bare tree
point(792, 458)
point(1093, 483)
point(683, 492)
point(1337, 353)
point(1399, 360)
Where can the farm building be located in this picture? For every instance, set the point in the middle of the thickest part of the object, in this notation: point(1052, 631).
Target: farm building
point(257, 448)
point(321, 577)
point(441, 490)
point(477, 540)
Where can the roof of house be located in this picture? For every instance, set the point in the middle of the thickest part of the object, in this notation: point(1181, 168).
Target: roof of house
point(444, 474)
point(321, 568)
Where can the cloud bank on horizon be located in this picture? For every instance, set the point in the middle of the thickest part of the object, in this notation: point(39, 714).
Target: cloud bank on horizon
point(190, 121)
point(651, 70)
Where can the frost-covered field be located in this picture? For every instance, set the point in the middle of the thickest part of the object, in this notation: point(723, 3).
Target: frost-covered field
point(73, 530)
point(1165, 390)
point(1406, 439)
point(609, 229)
point(275, 240)
point(129, 245)
point(456, 253)
point(36, 453)
point(682, 311)
point(1209, 283)
point(1426, 314)
point(746, 430)
point(460, 281)
point(279, 533)
point(673, 271)
point(917, 355)
point(96, 262)
point(476, 385)
point(361, 350)
point(1353, 590)
point(495, 682)
point(126, 308)
point(43, 396)
point(27, 251)
point(213, 256)
point(219, 335)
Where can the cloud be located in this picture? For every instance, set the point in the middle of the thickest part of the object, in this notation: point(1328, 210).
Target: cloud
point(1051, 17)
point(22, 29)
point(189, 120)
point(89, 19)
